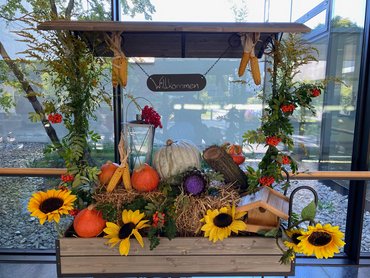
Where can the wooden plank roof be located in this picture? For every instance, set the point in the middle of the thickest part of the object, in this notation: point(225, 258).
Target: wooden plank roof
point(175, 39)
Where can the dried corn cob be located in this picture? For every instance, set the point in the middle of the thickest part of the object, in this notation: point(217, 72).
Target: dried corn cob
point(116, 179)
point(255, 69)
point(126, 177)
point(243, 63)
point(123, 71)
point(115, 70)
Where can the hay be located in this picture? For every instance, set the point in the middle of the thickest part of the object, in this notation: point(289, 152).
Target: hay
point(190, 209)
point(119, 197)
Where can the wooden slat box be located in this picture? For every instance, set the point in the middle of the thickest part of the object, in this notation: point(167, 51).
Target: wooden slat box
point(179, 257)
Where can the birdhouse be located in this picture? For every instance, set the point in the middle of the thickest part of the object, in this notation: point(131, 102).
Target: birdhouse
point(264, 209)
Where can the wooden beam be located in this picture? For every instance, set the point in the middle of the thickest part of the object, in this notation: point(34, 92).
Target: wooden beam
point(315, 175)
point(32, 172)
point(193, 27)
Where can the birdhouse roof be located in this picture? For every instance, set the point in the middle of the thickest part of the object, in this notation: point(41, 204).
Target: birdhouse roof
point(268, 199)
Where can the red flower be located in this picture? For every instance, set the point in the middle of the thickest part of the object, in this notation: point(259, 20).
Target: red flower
point(150, 116)
point(158, 220)
point(273, 141)
point(66, 178)
point(266, 181)
point(285, 160)
point(287, 108)
point(74, 212)
point(315, 92)
point(55, 118)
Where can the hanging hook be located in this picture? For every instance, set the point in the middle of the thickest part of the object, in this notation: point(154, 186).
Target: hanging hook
point(313, 191)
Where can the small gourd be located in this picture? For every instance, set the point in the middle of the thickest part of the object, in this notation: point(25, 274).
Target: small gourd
point(89, 222)
point(106, 172)
point(175, 158)
point(145, 178)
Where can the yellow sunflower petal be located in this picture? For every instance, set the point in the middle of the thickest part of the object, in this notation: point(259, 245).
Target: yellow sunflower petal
point(238, 225)
point(142, 224)
point(126, 216)
point(113, 241)
point(42, 220)
point(138, 237)
point(124, 246)
point(137, 216)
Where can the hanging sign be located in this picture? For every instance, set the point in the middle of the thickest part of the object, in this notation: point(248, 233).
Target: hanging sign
point(176, 82)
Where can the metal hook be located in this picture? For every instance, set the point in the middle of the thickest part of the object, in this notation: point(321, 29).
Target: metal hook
point(313, 191)
point(287, 179)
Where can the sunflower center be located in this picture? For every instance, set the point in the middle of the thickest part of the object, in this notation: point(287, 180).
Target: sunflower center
point(222, 220)
point(319, 238)
point(126, 230)
point(295, 238)
point(51, 204)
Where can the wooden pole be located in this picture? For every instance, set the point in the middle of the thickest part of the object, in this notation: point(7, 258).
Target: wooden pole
point(217, 158)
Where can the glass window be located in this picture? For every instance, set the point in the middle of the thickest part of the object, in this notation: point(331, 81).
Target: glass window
point(221, 112)
point(196, 11)
point(20, 231)
point(22, 144)
point(340, 99)
point(279, 10)
point(300, 8)
point(365, 243)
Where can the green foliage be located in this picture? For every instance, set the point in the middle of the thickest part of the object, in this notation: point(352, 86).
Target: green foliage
point(286, 58)
point(309, 212)
point(109, 211)
point(67, 67)
point(6, 101)
point(287, 256)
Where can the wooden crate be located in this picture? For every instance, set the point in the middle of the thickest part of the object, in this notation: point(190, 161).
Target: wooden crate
point(179, 257)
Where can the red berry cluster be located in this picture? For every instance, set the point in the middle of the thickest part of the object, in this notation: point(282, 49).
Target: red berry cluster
point(285, 160)
point(67, 178)
point(74, 212)
point(287, 108)
point(158, 219)
point(315, 92)
point(150, 116)
point(273, 141)
point(266, 181)
point(55, 118)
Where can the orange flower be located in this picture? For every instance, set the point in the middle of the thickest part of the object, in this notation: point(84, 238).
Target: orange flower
point(273, 141)
point(266, 181)
point(315, 92)
point(285, 160)
point(287, 108)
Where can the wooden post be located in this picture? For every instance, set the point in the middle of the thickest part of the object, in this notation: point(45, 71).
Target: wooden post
point(218, 159)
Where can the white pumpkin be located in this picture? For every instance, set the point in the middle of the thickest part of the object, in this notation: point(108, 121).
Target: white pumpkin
point(176, 157)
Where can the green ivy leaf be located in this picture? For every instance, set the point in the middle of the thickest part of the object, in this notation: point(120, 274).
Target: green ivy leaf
point(309, 212)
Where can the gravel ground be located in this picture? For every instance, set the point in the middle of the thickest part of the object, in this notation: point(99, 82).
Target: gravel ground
point(19, 230)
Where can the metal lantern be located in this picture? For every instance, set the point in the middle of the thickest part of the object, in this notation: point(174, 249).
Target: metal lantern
point(139, 137)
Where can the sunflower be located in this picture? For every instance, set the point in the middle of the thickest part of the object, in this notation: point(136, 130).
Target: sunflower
point(293, 235)
point(132, 223)
point(50, 205)
point(323, 241)
point(220, 223)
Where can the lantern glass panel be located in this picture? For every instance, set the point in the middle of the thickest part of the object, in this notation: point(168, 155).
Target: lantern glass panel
point(139, 138)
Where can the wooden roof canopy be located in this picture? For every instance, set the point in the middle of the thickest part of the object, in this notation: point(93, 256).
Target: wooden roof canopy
point(175, 39)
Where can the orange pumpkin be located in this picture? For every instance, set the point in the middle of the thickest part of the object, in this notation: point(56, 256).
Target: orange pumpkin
point(89, 222)
point(107, 171)
point(144, 178)
point(238, 159)
point(234, 149)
